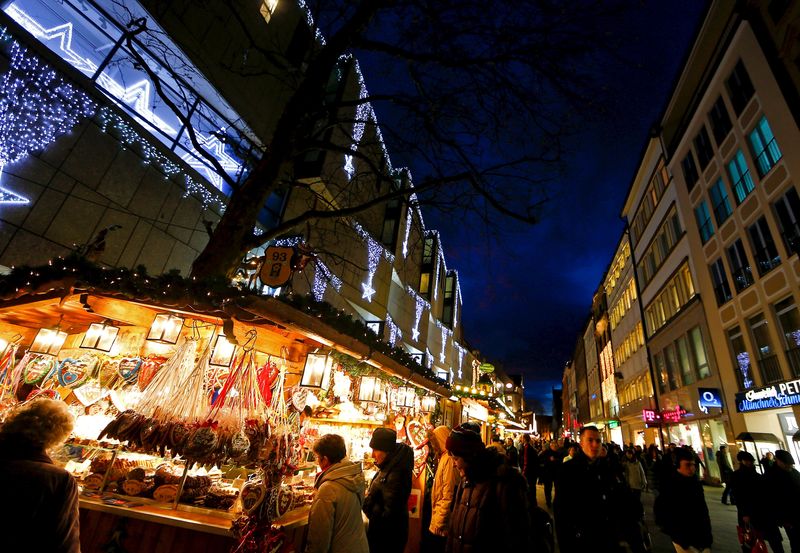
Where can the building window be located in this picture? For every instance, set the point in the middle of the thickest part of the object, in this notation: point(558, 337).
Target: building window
point(764, 147)
point(427, 252)
point(661, 372)
point(740, 267)
point(391, 224)
point(425, 284)
point(690, 173)
point(704, 223)
point(767, 358)
point(787, 209)
point(699, 353)
point(789, 320)
point(720, 120)
point(764, 251)
point(671, 358)
point(740, 88)
point(740, 177)
point(665, 239)
point(704, 148)
point(719, 202)
point(684, 358)
point(722, 291)
point(741, 358)
point(675, 294)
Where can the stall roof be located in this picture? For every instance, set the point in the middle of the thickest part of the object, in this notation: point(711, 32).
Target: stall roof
point(758, 437)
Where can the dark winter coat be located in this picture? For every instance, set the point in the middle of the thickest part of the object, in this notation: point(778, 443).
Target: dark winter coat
point(681, 512)
point(725, 469)
point(784, 490)
point(386, 504)
point(529, 463)
point(594, 508)
point(40, 510)
point(490, 509)
point(551, 462)
point(513, 456)
point(748, 487)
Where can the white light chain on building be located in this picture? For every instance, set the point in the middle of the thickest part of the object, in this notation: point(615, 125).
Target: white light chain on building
point(446, 333)
point(137, 96)
point(375, 251)
point(409, 222)
point(460, 351)
point(428, 358)
point(420, 305)
point(36, 107)
point(395, 333)
point(322, 277)
point(152, 155)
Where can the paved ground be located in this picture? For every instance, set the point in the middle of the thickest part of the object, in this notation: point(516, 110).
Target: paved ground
point(723, 523)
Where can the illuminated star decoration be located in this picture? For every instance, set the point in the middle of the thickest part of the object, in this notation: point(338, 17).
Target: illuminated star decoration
point(137, 96)
point(322, 277)
point(374, 253)
point(420, 305)
point(409, 222)
point(36, 107)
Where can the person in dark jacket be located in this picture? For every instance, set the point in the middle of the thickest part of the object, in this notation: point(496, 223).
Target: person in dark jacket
point(386, 504)
point(512, 453)
point(783, 486)
point(550, 461)
point(748, 489)
point(725, 473)
point(41, 507)
point(594, 509)
point(490, 510)
point(680, 509)
point(529, 464)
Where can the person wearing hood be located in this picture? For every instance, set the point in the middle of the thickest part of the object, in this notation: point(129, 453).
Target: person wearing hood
point(41, 499)
point(490, 507)
point(334, 521)
point(386, 504)
point(444, 486)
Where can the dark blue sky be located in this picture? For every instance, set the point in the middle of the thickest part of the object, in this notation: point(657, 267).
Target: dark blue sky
point(528, 295)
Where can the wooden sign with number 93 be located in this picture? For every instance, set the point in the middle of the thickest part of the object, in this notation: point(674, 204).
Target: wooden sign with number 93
point(277, 268)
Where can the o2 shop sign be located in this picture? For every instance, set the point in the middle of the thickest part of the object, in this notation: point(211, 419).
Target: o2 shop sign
point(784, 394)
point(709, 397)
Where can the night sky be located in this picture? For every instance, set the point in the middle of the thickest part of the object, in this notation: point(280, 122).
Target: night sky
point(527, 294)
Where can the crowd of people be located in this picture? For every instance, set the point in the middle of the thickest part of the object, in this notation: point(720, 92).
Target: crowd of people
point(481, 497)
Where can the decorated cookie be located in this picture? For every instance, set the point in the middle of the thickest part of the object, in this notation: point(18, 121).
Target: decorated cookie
point(38, 369)
point(73, 373)
point(129, 368)
point(253, 495)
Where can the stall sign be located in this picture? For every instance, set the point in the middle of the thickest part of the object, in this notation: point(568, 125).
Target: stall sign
point(709, 397)
point(277, 268)
point(486, 368)
point(775, 396)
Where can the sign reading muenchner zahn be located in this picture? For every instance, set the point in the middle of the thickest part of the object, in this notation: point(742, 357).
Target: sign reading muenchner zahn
point(784, 394)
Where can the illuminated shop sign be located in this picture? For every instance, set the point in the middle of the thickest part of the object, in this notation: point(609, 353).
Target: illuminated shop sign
point(653, 417)
point(709, 397)
point(784, 394)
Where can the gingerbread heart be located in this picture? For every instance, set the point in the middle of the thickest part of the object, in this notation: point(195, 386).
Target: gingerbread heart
point(129, 368)
point(420, 457)
point(416, 433)
point(284, 502)
point(72, 373)
point(253, 494)
point(38, 369)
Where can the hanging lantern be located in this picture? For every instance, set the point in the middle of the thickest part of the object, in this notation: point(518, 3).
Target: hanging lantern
point(370, 389)
point(100, 336)
point(317, 371)
point(48, 341)
point(406, 397)
point(222, 354)
point(166, 329)
point(428, 403)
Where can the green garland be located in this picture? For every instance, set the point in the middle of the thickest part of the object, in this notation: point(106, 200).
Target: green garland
point(173, 289)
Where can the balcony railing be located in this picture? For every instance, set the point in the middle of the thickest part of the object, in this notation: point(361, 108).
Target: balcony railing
point(770, 369)
point(794, 361)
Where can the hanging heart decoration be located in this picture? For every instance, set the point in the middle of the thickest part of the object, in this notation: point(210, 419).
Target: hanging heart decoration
point(108, 373)
point(253, 494)
point(40, 392)
point(73, 373)
point(420, 457)
point(38, 369)
point(129, 368)
point(416, 432)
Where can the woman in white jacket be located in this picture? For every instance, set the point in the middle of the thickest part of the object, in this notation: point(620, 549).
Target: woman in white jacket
point(444, 485)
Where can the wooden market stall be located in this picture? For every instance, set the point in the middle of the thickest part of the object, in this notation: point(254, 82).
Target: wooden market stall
point(136, 490)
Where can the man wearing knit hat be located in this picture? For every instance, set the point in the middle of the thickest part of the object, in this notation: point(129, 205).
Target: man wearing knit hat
point(386, 504)
point(490, 509)
point(783, 483)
